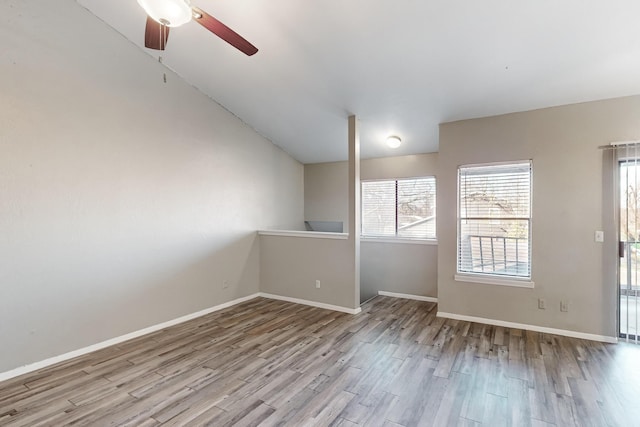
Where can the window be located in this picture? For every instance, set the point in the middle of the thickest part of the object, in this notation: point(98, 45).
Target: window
point(494, 220)
point(404, 208)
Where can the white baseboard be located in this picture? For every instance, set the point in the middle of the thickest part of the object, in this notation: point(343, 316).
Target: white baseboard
point(407, 296)
point(117, 340)
point(543, 329)
point(312, 303)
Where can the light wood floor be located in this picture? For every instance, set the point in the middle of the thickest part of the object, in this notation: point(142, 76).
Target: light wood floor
point(269, 363)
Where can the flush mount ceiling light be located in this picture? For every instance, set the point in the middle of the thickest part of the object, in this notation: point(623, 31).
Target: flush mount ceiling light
point(393, 141)
point(171, 13)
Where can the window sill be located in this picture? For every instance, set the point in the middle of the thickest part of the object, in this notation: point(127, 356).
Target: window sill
point(398, 240)
point(493, 280)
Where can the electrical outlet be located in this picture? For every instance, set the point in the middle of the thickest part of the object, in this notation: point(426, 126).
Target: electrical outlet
point(541, 304)
point(317, 284)
point(225, 284)
point(564, 306)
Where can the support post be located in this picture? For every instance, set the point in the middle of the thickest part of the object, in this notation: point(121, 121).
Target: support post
point(354, 203)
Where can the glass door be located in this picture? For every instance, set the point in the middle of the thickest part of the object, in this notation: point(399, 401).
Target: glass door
point(629, 247)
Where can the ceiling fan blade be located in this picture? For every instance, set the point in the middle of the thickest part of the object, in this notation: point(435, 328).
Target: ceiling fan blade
point(222, 31)
point(155, 35)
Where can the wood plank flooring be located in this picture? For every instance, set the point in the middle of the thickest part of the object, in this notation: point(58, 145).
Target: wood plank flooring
point(273, 363)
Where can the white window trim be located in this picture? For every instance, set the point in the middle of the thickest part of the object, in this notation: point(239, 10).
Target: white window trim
point(398, 239)
point(494, 279)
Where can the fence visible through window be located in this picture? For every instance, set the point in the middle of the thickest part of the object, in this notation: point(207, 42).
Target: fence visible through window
point(494, 219)
point(496, 255)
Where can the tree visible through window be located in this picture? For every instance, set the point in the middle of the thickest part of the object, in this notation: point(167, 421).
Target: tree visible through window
point(399, 208)
point(494, 219)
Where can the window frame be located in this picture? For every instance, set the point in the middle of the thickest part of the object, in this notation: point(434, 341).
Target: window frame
point(488, 277)
point(396, 238)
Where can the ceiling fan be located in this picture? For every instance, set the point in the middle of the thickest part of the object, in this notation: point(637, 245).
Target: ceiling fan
point(164, 14)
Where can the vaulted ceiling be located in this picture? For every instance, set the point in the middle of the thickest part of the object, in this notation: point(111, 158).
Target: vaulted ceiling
point(402, 66)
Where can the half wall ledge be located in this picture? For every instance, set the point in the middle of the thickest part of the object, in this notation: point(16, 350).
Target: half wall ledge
point(307, 234)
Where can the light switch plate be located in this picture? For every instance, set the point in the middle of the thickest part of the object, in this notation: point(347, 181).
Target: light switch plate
point(599, 236)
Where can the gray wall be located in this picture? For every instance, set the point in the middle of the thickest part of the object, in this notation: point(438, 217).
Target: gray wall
point(393, 267)
point(125, 201)
point(567, 209)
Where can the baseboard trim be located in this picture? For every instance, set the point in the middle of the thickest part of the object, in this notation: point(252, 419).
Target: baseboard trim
point(543, 329)
point(117, 340)
point(135, 334)
point(407, 296)
point(312, 303)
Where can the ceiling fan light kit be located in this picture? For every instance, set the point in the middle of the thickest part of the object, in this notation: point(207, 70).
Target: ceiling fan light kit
point(171, 13)
point(163, 14)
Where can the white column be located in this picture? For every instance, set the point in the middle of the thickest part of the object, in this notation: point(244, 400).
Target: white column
point(354, 202)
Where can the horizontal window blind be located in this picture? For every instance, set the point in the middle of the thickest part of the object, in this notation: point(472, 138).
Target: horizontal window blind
point(417, 208)
point(379, 208)
point(399, 208)
point(494, 219)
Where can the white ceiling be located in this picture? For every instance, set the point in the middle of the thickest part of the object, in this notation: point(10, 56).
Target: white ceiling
point(401, 66)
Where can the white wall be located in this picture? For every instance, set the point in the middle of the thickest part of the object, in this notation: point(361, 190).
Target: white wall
point(568, 194)
point(124, 201)
point(392, 267)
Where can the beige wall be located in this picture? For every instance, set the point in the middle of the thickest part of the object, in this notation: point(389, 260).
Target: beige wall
point(399, 167)
point(393, 267)
point(567, 208)
point(326, 195)
point(125, 201)
point(290, 266)
point(398, 267)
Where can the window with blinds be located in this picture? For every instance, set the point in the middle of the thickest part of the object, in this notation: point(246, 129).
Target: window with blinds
point(404, 208)
point(494, 219)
